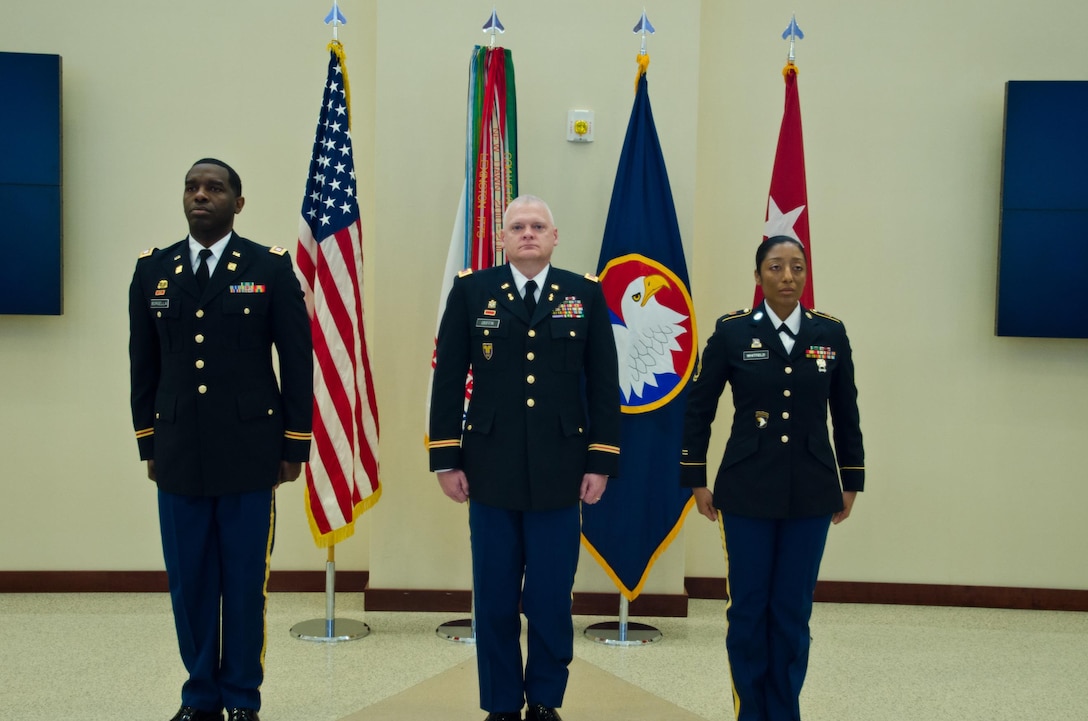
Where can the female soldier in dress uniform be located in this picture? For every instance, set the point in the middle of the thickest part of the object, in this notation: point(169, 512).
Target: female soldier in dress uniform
point(780, 485)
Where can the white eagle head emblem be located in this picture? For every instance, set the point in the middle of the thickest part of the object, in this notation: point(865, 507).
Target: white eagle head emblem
point(646, 339)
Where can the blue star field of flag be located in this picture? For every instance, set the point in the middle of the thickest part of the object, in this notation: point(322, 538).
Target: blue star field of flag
point(330, 203)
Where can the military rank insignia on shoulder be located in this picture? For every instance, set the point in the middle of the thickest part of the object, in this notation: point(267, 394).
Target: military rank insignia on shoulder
point(147, 253)
point(592, 278)
point(465, 273)
point(277, 250)
point(826, 315)
point(735, 314)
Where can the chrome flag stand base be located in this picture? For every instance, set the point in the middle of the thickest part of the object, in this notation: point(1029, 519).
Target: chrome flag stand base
point(622, 633)
point(335, 630)
point(463, 630)
point(460, 631)
point(330, 629)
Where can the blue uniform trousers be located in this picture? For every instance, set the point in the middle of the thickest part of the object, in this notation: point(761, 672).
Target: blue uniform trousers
point(771, 570)
point(216, 550)
point(528, 557)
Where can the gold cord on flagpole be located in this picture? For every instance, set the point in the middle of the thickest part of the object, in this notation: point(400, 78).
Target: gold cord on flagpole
point(789, 68)
point(643, 60)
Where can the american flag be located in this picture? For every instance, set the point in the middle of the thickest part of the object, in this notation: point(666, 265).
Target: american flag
point(342, 475)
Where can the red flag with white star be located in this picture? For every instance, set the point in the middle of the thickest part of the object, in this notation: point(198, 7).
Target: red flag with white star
point(787, 203)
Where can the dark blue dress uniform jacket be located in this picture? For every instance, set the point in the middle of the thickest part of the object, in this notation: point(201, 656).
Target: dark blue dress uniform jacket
point(205, 402)
point(778, 461)
point(545, 396)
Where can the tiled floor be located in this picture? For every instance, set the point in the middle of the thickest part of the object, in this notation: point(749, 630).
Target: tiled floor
point(91, 657)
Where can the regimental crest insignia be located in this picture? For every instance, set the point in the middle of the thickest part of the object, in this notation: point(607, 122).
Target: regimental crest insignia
point(653, 322)
point(489, 350)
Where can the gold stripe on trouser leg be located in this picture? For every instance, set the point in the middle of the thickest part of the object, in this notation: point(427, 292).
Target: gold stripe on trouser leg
point(728, 603)
point(267, 568)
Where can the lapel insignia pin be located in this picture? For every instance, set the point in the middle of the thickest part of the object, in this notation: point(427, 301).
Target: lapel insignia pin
point(177, 271)
point(232, 266)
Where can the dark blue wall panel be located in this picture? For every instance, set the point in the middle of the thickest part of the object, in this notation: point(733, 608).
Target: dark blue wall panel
point(31, 257)
point(1044, 211)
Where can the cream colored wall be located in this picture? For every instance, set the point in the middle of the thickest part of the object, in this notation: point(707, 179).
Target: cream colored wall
point(972, 441)
point(567, 54)
point(148, 89)
point(971, 438)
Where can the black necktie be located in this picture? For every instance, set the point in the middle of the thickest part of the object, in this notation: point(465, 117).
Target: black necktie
point(202, 269)
point(530, 297)
point(786, 329)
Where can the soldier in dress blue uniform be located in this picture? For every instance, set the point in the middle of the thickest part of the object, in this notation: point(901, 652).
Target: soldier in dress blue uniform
point(541, 433)
point(780, 484)
point(217, 430)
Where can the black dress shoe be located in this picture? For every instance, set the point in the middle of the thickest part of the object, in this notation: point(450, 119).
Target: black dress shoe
point(536, 712)
point(242, 714)
point(511, 716)
point(188, 713)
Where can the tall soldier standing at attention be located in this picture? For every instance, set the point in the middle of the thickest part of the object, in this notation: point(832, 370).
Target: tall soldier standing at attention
point(217, 431)
point(541, 434)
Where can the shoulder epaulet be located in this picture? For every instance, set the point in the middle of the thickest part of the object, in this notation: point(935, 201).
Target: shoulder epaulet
point(735, 314)
point(277, 250)
point(465, 273)
point(592, 278)
point(825, 315)
point(147, 253)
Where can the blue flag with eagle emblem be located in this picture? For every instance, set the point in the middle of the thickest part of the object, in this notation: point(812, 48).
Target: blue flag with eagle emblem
point(645, 281)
